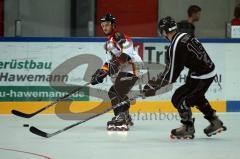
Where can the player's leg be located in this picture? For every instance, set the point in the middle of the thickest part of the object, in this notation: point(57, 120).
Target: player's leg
point(179, 101)
point(118, 93)
point(216, 125)
point(198, 99)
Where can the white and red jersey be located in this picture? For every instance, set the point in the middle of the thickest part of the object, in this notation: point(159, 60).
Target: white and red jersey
point(119, 44)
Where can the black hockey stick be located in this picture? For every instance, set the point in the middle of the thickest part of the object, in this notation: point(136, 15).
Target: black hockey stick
point(25, 115)
point(38, 132)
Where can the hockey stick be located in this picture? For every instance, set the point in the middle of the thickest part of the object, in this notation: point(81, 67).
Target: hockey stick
point(38, 132)
point(25, 115)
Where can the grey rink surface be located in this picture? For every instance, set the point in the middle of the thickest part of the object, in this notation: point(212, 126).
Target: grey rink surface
point(147, 139)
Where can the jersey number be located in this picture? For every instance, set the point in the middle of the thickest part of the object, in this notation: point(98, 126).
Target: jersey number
point(196, 47)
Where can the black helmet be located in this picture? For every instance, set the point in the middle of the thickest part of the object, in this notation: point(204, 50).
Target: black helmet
point(108, 18)
point(168, 24)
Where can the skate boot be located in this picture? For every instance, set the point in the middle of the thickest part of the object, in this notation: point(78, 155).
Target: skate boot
point(118, 123)
point(129, 120)
point(216, 126)
point(186, 131)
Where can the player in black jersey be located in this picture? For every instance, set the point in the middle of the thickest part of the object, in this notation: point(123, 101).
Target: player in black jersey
point(187, 51)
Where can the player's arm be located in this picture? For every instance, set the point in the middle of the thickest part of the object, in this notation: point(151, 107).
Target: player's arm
point(109, 68)
point(98, 76)
point(112, 67)
point(156, 83)
point(172, 70)
point(115, 63)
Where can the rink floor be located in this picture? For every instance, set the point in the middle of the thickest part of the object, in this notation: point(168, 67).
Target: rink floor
point(148, 139)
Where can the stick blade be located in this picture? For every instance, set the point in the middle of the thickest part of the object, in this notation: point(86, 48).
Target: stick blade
point(21, 114)
point(38, 132)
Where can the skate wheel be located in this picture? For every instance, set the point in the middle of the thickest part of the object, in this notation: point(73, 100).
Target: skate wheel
point(130, 123)
point(172, 136)
point(111, 128)
point(208, 135)
point(224, 128)
point(205, 131)
point(179, 138)
point(192, 137)
point(119, 129)
point(188, 137)
point(122, 128)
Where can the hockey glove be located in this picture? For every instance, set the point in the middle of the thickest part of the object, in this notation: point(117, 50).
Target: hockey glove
point(154, 85)
point(150, 88)
point(98, 76)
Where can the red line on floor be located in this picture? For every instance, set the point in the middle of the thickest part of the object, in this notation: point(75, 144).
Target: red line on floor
point(30, 153)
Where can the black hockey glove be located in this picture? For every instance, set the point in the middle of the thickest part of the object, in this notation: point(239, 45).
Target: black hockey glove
point(151, 88)
point(154, 85)
point(98, 76)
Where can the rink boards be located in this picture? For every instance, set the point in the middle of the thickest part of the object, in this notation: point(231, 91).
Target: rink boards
point(36, 71)
point(93, 107)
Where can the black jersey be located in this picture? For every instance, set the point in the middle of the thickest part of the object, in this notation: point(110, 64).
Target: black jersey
point(187, 51)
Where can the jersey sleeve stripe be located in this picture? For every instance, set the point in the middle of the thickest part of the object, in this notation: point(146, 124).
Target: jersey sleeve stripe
point(173, 56)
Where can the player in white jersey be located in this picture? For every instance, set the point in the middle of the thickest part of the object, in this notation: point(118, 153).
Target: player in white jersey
point(126, 63)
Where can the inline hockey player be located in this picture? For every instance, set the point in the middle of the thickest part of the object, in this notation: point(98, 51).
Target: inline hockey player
point(187, 51)
point(124, 62)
